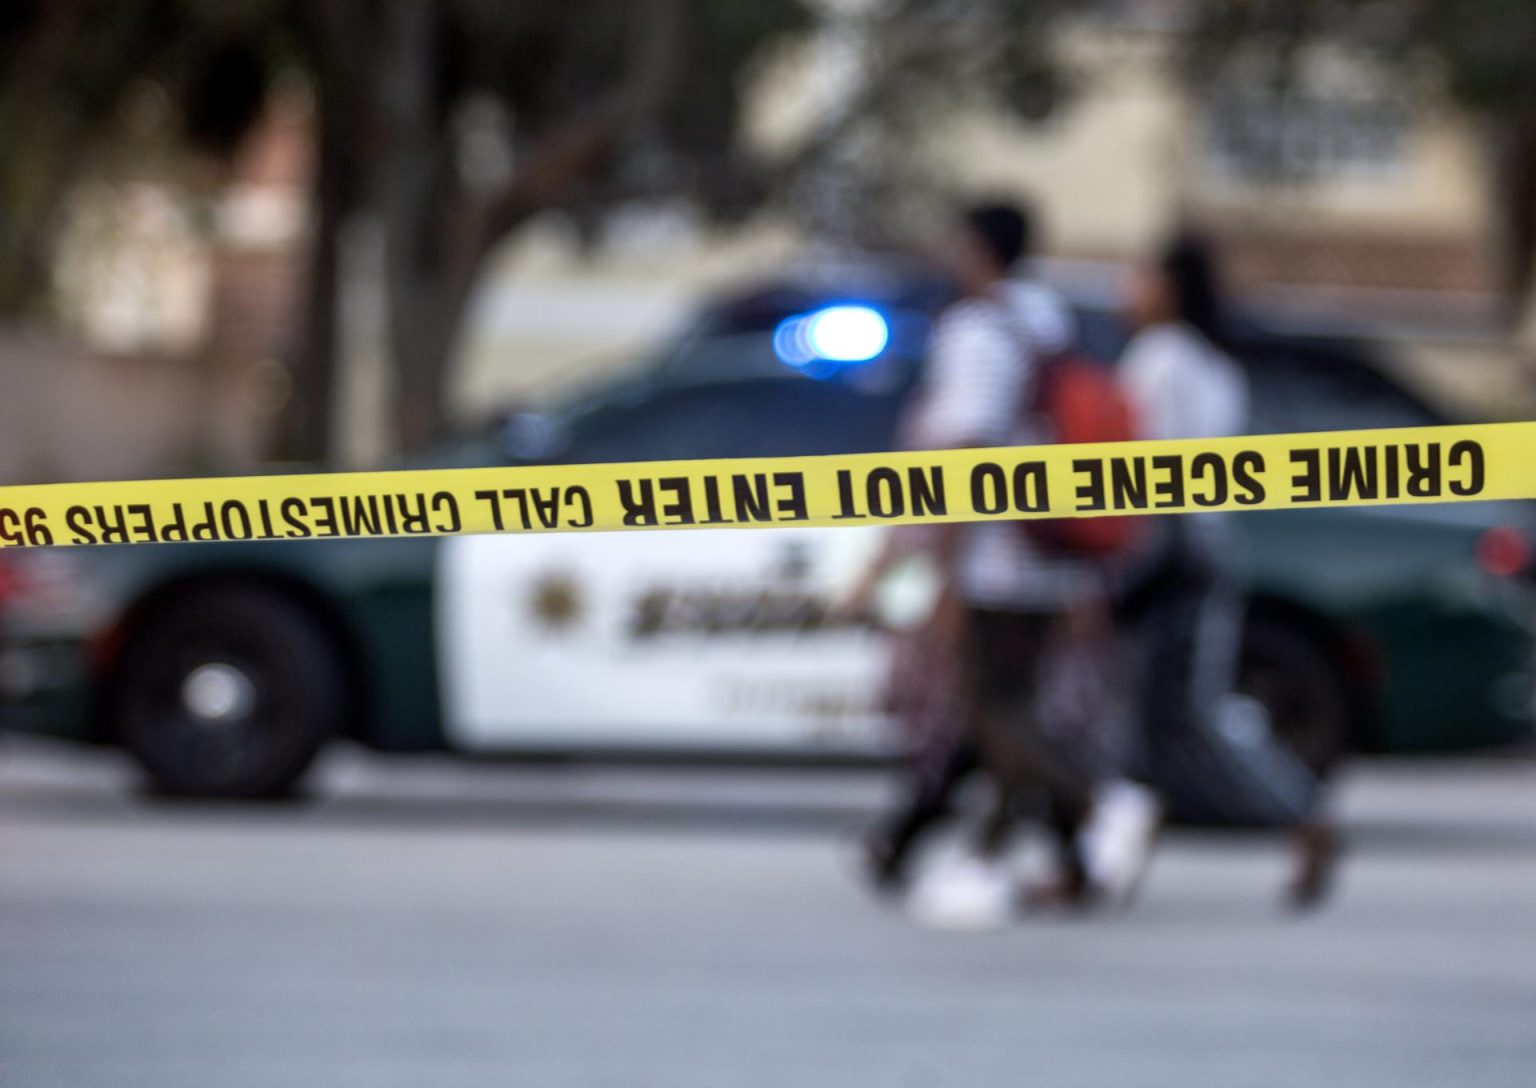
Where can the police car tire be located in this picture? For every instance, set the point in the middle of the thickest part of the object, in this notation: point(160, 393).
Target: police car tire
point(291, 678)
point(1308, 700)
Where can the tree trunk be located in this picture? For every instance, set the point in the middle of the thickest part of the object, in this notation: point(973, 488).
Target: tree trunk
point(33, 187)
point(308, 434)
point(417, 192)
point(336, 35)
point(426, 316)
point(1514, 156)
point(437, 232)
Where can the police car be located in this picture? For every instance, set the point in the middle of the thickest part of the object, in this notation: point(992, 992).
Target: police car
point(224, 668)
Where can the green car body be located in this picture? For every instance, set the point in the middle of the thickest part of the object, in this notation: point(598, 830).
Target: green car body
point(1392, 613)
point(1436, 653)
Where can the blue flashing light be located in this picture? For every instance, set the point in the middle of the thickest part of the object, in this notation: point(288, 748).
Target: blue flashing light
point(847, 334)
point(844, 333)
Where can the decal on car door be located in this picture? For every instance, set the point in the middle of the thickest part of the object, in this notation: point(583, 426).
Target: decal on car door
point(694, 639)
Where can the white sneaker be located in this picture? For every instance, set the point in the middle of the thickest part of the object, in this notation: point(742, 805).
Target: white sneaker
point(1118, 836)
point(963, 893)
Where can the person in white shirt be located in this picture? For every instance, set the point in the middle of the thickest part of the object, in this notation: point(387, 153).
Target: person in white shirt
point(1182, 383)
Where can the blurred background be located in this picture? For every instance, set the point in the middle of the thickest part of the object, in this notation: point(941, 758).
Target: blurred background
point(333, 234)
point(237, 234)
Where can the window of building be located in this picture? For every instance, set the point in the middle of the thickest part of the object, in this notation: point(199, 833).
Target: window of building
point(1298, 135)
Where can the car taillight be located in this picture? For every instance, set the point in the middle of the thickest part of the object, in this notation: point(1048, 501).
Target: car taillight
point(40, 582)
point(1504, 552)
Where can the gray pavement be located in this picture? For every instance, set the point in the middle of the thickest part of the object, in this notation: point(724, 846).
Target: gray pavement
point(430, 925)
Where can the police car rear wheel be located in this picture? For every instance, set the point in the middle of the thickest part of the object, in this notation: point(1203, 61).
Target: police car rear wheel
point(228, 692)
point(1301, 689)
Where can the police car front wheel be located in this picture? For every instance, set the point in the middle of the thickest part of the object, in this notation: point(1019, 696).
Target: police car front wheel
point(228, 692)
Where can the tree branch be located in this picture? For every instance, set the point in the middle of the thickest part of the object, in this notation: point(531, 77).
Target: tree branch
point(576, 147)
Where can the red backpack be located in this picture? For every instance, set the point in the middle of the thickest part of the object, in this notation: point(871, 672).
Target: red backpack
point(1079, 400)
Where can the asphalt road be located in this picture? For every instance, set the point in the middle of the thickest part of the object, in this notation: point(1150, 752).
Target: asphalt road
point(430, 925)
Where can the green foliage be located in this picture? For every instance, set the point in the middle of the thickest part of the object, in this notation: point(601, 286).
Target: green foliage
point(1479, 51)
point(451, 122)
point(1486, 48)
point(69, 73)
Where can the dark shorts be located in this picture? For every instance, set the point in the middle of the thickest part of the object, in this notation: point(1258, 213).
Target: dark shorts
point(1006, 651)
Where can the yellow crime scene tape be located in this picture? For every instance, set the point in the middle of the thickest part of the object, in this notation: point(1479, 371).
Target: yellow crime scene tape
point(1267, 472)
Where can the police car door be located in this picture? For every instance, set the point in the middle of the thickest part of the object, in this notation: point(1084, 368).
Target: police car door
point(705, 640)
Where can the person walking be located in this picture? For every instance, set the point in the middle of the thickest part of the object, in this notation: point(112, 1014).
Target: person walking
point(1014, 605)
point(1212, 749)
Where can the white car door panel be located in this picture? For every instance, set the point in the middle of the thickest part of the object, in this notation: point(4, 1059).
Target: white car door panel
point(692, 639)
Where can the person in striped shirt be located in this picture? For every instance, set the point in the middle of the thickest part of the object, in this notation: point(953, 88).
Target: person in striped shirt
point(1016, 603)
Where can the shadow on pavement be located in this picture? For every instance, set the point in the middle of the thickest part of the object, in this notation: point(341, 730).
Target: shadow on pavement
point(1469, 808)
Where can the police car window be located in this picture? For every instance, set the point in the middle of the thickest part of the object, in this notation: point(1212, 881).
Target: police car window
point(718, 356)
point(1101, 333)
point(765, 418)
point(1291, 392)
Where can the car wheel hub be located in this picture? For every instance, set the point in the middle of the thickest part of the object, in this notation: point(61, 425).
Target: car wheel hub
point(218, 694)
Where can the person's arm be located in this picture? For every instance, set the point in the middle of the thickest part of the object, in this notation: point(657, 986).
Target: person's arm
point(938, 542)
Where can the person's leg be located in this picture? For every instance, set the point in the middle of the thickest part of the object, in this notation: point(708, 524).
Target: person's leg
point(1167, 700)
point(1318, 847)
point(928, 694)
point(1184, 751)
point(929, 803)
point(1222, 768)
point(1022, 763)
point(971, 890)
point(1019, 758)
point(1282, 788)
point(1068, 883)
point(1086, 702)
